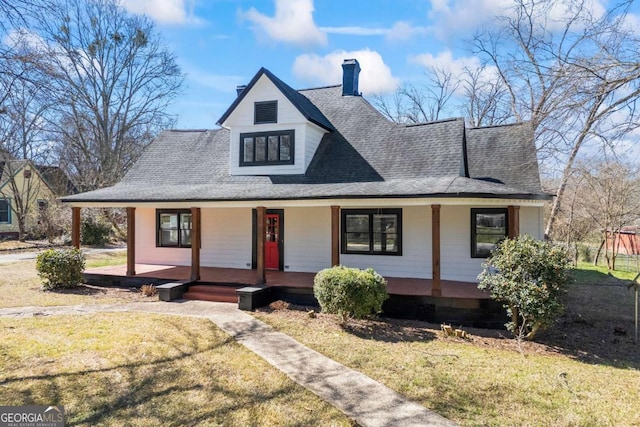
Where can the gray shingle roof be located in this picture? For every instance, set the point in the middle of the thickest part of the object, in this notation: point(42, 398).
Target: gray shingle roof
point(364, 156)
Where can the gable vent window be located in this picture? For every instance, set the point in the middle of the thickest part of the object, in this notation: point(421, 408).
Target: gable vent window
point(265, 112)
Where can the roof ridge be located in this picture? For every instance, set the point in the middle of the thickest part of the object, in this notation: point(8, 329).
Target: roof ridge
point(319, 87)
point(451, 119)
point(191, 130)
point(501, 125)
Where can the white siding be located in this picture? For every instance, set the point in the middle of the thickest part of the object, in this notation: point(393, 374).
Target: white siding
point(313, 137)
point(226, 238)
point(241, 120)
point(263, 90)
point(226, 241)
point(307, 239)
point(455, 245)
point(415, 261)
point(531, 222)
point(146, 250)
point(455, 233)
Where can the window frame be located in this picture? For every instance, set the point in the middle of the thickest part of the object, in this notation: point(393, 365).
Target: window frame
point(474, 231)
point(255, 112)
point(7, 200)
point(370, 212)
point(179, 212)
point(289, 132)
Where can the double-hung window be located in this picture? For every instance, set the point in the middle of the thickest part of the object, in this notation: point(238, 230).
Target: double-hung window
point(174, 228)
point(5, 211)
point(267, 148)
point(372, 231)
point(489, 226)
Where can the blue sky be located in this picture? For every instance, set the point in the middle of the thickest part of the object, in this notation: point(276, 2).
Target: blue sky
point(223, 43)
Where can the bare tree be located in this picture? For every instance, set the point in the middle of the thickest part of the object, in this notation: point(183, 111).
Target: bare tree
point(576, 79)
point(611, 200)
point(112, 79)
point(483, 99)
point(476, 94)
point(418, 104)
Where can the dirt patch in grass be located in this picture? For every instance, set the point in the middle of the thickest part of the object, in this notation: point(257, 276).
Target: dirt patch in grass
point(143, 369)
point(111, 294)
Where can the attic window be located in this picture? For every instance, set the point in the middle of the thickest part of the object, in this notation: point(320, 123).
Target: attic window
point(265, 112)
point(267, 148)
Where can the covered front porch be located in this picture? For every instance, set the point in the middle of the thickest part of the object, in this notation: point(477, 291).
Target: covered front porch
point(314, 241)
point(276, 278)
point(460, 303)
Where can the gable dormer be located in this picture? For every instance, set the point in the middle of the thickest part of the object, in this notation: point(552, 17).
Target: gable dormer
point(274, 130)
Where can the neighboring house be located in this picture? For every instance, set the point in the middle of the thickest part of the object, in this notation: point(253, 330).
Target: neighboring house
point(319, 177)
point(23, 189)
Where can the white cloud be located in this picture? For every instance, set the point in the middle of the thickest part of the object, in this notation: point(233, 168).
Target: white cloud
point(402, 30)
point(292, 23)
point(164, 11)
point(356, 31)
point(446, 62)
point(456, 17)
point(455, 66)
point(22, 37)
point(375, 77)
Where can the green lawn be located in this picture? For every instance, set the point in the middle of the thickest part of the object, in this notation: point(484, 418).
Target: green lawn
point(125, 369)
point(589, 274)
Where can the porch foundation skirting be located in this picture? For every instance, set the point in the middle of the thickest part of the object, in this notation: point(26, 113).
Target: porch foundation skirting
point(460, 303)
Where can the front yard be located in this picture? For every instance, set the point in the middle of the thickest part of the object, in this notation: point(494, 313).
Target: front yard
point(129, 369)
point(584, 372)
point(144, 369)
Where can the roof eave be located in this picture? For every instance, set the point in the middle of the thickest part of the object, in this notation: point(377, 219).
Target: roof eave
point(521, 196)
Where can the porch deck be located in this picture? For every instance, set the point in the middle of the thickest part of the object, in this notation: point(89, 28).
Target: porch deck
point(396, 285)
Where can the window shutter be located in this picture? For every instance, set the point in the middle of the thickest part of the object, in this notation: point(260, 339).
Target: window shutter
point(266, 112)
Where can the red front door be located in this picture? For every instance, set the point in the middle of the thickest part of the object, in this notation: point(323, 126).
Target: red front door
point(271, 251)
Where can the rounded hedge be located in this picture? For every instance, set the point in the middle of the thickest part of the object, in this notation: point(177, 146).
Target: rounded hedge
point(60, 268)
point(350, 292)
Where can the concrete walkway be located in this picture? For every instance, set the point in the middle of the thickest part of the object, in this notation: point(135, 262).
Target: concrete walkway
point(364, 400)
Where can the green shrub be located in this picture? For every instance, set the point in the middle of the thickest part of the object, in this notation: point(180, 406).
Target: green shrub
point(585, 253)
point(350, 292)
point(530, 278)
point(60, 268)
point(95, 232)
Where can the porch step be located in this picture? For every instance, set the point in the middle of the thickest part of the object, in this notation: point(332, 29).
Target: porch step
point(216, 293)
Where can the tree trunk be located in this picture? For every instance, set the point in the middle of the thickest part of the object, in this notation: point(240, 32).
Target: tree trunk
point(595, 260)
